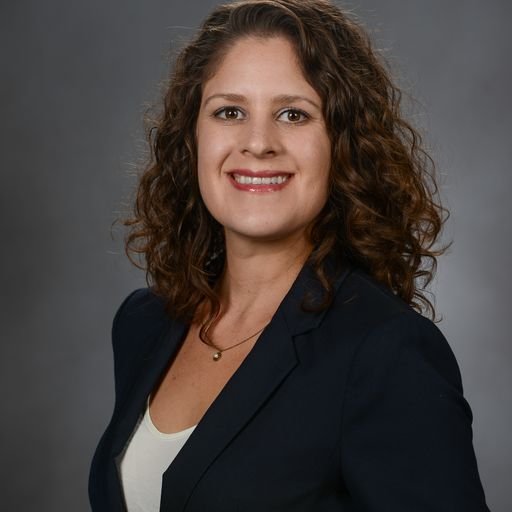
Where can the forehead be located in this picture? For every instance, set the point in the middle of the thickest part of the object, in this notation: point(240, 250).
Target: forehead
point(259, 65)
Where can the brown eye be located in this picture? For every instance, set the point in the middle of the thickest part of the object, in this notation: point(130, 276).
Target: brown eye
point(231, 113)
point(228, 113)
point(293, 115)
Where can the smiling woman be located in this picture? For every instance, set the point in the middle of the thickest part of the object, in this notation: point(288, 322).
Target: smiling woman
point(279, 361)
point(274, 131)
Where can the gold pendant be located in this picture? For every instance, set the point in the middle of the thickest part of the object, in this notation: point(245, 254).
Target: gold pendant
point(217, 356)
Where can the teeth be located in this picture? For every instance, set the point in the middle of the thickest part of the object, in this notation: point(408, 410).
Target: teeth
point(247, 180)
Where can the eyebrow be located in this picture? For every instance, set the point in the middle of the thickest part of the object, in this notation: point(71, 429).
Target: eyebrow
point(282, 98)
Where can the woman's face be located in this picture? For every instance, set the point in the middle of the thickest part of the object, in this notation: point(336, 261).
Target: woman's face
point(263, 148)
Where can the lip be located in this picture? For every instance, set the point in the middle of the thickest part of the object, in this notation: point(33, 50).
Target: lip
point(272, 187)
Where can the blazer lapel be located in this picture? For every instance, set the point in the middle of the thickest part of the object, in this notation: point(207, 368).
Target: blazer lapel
point(128, 412)
point(149, 373)
point(268, 364)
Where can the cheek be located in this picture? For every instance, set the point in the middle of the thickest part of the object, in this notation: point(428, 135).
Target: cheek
point(212, 149)
point(209, 195)
point(316, 156)
point(210, 156)
point(319, 162)
point(313, 146)
point(202, 147)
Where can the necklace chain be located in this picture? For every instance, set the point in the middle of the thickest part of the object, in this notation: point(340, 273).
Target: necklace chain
point(218, 354)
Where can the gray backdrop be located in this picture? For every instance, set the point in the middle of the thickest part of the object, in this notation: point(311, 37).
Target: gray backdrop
point(75, 78)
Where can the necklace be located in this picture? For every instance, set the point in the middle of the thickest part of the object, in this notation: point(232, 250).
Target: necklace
point(218, 354)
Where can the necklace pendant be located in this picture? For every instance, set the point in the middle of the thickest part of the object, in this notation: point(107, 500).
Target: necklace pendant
point(217, 356)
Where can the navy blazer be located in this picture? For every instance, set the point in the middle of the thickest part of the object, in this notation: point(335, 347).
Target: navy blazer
point(355, 408)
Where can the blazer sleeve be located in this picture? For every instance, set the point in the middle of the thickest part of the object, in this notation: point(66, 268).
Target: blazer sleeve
point(406, 434)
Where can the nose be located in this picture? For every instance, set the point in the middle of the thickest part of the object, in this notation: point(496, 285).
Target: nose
point(260, 138)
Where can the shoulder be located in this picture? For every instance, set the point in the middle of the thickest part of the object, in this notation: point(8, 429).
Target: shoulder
point(140, 309)
point(385, 333)
point(366, 304)
point(360, 292)
point(404, 415)
point(139, 320)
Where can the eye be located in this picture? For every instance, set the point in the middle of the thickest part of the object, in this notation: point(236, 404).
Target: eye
point(293, 115)
point(228, 113)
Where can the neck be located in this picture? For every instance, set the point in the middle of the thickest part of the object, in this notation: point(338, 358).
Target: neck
point(257, 276)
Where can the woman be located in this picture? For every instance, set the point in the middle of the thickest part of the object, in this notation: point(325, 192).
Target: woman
point(277, 362)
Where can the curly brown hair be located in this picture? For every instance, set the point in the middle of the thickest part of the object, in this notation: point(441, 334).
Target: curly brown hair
point(382, 213)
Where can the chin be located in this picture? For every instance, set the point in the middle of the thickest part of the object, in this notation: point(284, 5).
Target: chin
point(267, 235)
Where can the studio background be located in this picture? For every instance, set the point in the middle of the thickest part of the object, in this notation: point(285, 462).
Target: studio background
point(75, 80)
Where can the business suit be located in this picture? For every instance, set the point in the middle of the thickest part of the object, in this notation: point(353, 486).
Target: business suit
point(359, 407)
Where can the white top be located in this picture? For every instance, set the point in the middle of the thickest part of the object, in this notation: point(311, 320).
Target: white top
point(147, 455)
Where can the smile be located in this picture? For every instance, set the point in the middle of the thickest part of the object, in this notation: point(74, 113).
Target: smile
point(248, 180)
point(259, 181)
